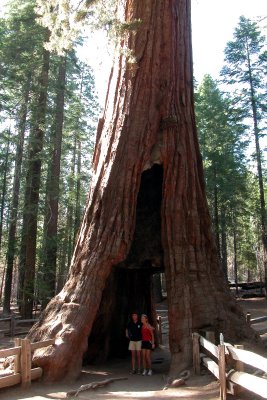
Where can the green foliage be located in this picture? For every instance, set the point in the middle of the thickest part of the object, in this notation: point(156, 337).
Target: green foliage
point(229, 183)
point(21, 50)
point(66, 20)
point(222, 147)
point(245, 70)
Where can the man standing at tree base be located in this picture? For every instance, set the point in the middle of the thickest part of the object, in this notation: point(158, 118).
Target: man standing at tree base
point(133, 332)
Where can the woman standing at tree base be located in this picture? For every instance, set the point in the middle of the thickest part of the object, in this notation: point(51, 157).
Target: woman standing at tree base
point(147, 344)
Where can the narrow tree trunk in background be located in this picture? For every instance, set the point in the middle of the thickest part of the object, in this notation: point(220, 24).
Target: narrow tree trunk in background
point(235, 264)
point(261, 186)
point(70, 209)
point(77, 220)
point(216, 214)
point(30, 212)
point(224, 244)
point(15, 199)
point(156, 287)
point(51, 216)
point(146, 209)
point(259, 167)
point(4, 188)
point(63, 267)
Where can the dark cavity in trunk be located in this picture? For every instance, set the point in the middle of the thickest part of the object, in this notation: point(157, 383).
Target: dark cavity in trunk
point(131, 280)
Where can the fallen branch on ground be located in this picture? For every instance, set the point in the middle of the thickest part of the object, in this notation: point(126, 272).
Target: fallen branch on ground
point(92, 385)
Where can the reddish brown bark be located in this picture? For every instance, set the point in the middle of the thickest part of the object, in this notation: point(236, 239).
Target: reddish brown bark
point(52, 196)
point(148, 120)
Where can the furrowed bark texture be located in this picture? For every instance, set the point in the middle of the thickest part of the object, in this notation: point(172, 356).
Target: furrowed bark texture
point(148, 119)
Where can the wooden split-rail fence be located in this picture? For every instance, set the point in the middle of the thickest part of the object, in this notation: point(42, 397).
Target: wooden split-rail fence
point(13, 324)
point(23, 372)
point(227, 363)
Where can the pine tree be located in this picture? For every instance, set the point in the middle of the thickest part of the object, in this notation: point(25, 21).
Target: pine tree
point(20, 49)
point(245, 69)
point(31, 200)
point(220, 135)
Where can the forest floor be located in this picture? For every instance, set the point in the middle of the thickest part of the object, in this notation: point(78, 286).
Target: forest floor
point(203, 387)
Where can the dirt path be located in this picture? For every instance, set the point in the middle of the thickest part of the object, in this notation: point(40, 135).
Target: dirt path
point(134, 387)
point(203, 387)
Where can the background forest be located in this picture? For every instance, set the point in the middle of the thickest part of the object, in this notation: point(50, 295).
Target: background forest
point(48, 117)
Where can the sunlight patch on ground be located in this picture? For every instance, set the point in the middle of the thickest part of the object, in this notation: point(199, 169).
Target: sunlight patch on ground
point(32, 398)
point(134, 395)
point(145, 394)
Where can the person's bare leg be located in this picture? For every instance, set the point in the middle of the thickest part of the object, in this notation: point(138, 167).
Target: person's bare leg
point(148, 362)
point(133, 359)
point(144, 359)
point(139, 358)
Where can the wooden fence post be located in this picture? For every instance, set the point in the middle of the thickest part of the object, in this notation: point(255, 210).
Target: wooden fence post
point(239, 366)
point(210, 335)
point(17, 358)
point(196, 354)
point(160, 328)
point(222, 375)
point(12, 325)
point(26, 361)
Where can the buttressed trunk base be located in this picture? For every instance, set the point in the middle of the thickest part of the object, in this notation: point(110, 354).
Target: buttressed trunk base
point(147, 209)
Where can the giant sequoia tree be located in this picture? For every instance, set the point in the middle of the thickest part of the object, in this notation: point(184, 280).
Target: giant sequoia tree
point(146, 210)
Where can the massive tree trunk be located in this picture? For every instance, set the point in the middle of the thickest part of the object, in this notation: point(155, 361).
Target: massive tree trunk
point(147, 208)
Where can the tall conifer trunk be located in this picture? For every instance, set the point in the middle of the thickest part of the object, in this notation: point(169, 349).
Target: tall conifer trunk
point(51, 215)
point(147, 208)
point(15, 197)
point(6, 160)
point(31, 202)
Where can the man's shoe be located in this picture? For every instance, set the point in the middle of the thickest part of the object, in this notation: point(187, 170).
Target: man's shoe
point(149, 372)
point(144, 372)
point(132, 372)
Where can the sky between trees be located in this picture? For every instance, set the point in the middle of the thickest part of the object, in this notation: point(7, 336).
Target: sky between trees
point(213, 24)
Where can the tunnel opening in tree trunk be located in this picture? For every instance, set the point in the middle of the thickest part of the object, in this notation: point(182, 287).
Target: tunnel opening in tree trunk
point(131, 280)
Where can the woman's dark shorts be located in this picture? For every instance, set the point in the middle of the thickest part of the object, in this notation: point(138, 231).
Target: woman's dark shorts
point(146, 345)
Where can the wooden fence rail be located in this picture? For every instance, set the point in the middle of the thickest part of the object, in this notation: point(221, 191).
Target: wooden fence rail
point(256, 320)
point(226, 357)
point(14, 321)
point(23, 371)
